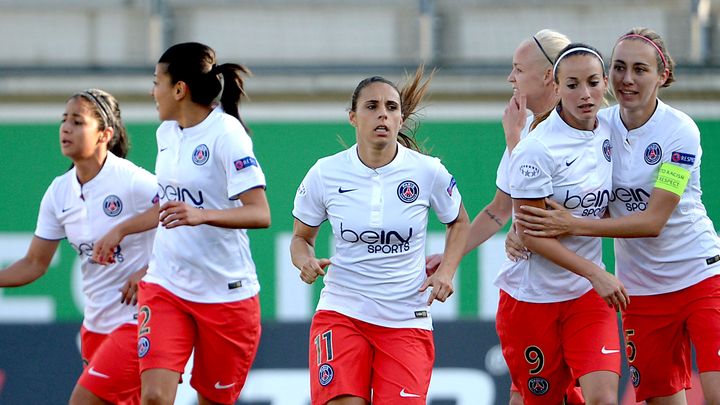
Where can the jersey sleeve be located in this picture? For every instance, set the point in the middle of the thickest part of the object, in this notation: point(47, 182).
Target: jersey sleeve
point(531, 168)
point(445, 197)
point(48, 226)
point(684, 147)
point(242, 169)
point(145, 190)
point(309, 206)
point(502, 182)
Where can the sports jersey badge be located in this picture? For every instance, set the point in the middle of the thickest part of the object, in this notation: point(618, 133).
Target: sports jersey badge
point(143, 346)
point(453, 185)
point(653, 153)
point(607, 150)
point(112, 206)
point(247, 161)
point(634, 376)
point(408, 191)
point(325, 374)
point(529, 171)
point(538, 385)
point(201, 154)
point(683, 158)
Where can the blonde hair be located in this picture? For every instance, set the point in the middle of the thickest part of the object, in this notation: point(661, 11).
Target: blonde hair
point(551, 42)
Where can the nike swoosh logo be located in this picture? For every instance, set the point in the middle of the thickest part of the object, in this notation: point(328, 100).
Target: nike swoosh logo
point(341, 191)
point(570, 162)
point(66, 209)
point(407, 394)
point(607, 351)
point(97, 373)
point(162, 149)
point(219, 386)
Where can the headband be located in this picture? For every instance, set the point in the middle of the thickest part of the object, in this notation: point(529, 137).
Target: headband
point(574, 50)
point(104, 114)
point(543, 50)
point(648, 40)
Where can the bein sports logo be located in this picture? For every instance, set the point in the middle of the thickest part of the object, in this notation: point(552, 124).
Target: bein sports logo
point(85, 249)
point(383, 242)
point(172, 193)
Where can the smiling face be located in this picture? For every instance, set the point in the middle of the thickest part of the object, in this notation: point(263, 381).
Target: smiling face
point(80, 134)
point(581, 85)
point(635, 75)
point(163, 91)
point(530, 75)
point(377, 116)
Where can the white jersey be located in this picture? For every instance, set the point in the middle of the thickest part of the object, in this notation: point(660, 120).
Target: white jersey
point(574, 168)
point(85, 213)
point(682, 254)
point(502, 180)
point(206, 166)
point(379, 219)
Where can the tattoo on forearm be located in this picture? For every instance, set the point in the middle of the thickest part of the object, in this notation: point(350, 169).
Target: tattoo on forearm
point(494, 217)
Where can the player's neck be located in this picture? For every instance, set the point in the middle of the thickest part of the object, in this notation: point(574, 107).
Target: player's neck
point(87, 169)
point(375, 156)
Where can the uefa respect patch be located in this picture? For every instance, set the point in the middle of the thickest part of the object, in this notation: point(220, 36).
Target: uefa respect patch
point(112, 206)
point(682, 158)
point(201, 154)
point(247, 161)
point(452, 186)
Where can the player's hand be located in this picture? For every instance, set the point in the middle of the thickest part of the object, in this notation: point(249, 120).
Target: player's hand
point(545, 223)
point(513, 119)
point(313, 268)
point(177, 213)
point(104, 248)
point(128, 292)
point(610, 289)
point(442, 286)
point(432, 263)
point(514, 248)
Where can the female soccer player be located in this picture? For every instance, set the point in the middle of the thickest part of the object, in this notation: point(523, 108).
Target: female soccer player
point(552, 322)
point(201, 289)
point(372, 331)
point(102, 193)
point(668, 254)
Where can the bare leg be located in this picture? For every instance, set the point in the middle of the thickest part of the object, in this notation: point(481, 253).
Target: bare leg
point(159, 386)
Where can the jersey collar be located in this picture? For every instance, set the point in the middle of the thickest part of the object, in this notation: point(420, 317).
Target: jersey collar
point(358, 164)
point(81, 190)
point(557, 121)
point(648, 127)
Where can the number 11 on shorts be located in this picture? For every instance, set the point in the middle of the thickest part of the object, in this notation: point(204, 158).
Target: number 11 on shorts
point(325, 337)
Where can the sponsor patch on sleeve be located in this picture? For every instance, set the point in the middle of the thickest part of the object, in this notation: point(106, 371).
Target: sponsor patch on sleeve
point(672, 178)
point(683, 158)
point(453, 184)
point(247, 161)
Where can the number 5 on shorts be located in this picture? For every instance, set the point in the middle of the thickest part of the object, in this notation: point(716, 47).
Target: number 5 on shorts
point(325, 337)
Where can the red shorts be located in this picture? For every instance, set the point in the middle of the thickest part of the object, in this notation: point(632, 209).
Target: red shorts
point(112, 371)
point(225, 337)
point(351, 357)
point(549, 346)
point(658, 332)
point(573, 395)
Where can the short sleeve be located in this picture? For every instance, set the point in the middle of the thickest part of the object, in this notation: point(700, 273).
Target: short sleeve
point(683, 148)
point(309, 207)
point(531, 169)
point(501, 180)
point(242, 169)
point(445, 197)
point(145, 190)
point(48, 226)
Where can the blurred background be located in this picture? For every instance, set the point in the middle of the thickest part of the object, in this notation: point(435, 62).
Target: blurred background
point(307, 57)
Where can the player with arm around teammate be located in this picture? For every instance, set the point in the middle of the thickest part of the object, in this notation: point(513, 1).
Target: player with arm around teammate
point(554, 318)
point(201, 288)
point(372, 331)
point(102, 191)
point(666, 249)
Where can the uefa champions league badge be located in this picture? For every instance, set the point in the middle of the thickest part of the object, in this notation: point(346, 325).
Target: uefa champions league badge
point(201, 154)
point(408, 191)
point(325, 374)
point(112, 206)
point(653, 153)
point(607, 150)
point(143, 346)
point(538, 385)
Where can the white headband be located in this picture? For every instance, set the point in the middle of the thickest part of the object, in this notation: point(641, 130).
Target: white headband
point(573, 50)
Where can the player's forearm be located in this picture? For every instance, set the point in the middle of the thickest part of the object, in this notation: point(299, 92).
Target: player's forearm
point(22, 272)
point(455, 241)
point(556, 252)
point(301, 250)
point(141, 222)
point(486, 224)
point(246, 217)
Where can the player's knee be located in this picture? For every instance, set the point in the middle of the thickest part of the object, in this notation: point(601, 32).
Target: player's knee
point(515, 398)
point(155, 396)
point(604, 397)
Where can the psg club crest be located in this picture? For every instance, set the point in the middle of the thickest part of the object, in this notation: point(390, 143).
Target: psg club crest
point(634, 376)
point(408, 191)
point(143, 346)
point(325, 374)
point(201, 154)
point(538, 385)
point(607, 150)
point(653, 153)
point(112, 206)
